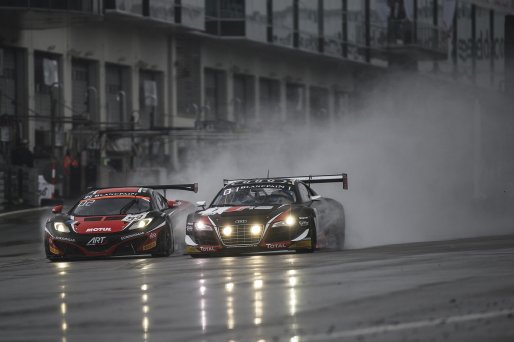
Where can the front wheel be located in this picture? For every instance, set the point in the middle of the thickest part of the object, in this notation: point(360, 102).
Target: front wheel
point(165, 243)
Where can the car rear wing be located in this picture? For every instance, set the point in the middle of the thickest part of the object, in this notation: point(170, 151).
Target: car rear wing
point(187, 187)
point(342, 178)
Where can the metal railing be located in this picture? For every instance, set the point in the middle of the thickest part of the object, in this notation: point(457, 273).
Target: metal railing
point(398, 33)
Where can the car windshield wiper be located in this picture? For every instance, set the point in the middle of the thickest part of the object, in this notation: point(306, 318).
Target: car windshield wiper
point(127, 206)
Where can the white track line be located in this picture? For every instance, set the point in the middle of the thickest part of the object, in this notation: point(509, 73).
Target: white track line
point(9, 213)
point(380, 329)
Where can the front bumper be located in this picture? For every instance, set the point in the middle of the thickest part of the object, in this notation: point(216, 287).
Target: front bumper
point(211, 246)
point(75, 245)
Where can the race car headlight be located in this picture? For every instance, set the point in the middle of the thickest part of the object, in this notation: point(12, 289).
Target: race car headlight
point(201, 225)
point(141, 223)
point(256, 229)
point(61, 227)
point(288, 222)
point(227, 230)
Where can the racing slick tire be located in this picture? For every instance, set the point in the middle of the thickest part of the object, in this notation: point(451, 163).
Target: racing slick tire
point(165, 244)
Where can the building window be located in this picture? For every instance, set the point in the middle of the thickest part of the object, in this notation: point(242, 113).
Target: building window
point(215, 83)
point(244, 99)
point(117, 86)
point(188, 70)
point(150, 100)
point(319, 106)
point(225, 17)
point(269, 100)
point(130, 6)
point(84, 91)
point(48, 98)
point(295, 100)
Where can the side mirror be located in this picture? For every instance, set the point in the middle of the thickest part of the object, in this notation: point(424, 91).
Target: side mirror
point(201, 204)
point(57, 209)
point(172, 204)
point(315, 198)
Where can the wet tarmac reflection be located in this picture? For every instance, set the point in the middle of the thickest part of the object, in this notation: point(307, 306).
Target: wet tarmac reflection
point(61, 268)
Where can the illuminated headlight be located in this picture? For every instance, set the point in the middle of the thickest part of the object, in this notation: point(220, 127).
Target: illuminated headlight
point(200, 225)
point(288, 222)
point(255, 229)
point(141, 223)
point(61, 227)
point(227, 230)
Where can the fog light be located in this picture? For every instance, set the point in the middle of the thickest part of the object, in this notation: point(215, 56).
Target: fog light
point(227, 230)
point(255, 229)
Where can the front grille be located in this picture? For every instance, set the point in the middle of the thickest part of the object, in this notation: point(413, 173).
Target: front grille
point(241, 236)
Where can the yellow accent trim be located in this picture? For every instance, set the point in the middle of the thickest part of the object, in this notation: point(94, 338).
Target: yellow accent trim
point(54, 250)
point(302, 244)
point(192, 250)
point(150, 245)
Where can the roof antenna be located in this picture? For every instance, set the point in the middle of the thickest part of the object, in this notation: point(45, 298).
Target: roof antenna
point(268, 174)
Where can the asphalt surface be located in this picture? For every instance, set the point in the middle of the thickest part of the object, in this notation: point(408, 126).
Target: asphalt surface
point(443, 291)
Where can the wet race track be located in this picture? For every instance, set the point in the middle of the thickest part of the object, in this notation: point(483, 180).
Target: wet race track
point(445, 291)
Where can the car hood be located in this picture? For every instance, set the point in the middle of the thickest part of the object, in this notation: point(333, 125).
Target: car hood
point(238, 214)
point(103, 224)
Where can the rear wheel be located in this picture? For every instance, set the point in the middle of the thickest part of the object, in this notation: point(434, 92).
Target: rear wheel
point(165, 244)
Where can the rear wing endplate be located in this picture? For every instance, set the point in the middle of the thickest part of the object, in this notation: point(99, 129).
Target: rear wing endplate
point(318, 179)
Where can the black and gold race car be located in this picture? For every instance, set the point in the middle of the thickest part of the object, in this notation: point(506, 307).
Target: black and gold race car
point(253, 215)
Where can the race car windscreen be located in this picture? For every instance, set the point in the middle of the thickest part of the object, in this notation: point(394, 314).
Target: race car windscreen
point(112, 206)
point(260, 194)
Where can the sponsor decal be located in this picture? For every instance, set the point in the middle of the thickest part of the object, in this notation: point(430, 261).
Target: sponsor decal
point(86, 203)
point(98, 230)
point(208, 248)
point(221, 210)
point(97, 241)
point(131, 236)
point(228, 191)
point(276, 245)
point(109, 194)
point(134, 217)
point(64, 239)
point(303, 223)
point(153, 235)
point(150, 245)
point(303, 218)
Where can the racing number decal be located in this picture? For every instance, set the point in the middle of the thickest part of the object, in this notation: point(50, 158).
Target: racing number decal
point(86, 203)
point(134, 217)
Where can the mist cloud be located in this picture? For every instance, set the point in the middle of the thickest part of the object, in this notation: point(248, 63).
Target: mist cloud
point(414, 154)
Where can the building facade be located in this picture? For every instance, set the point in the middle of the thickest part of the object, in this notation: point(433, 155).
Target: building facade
point(116, 83)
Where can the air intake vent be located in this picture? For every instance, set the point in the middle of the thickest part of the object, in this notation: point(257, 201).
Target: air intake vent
point(93, 219)
point(113, 218)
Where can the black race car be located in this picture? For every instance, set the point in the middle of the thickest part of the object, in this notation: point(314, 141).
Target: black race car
point(251, 215)
point(116, 221)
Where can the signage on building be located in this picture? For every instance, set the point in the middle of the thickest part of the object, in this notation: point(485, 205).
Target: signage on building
point(50, 71)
